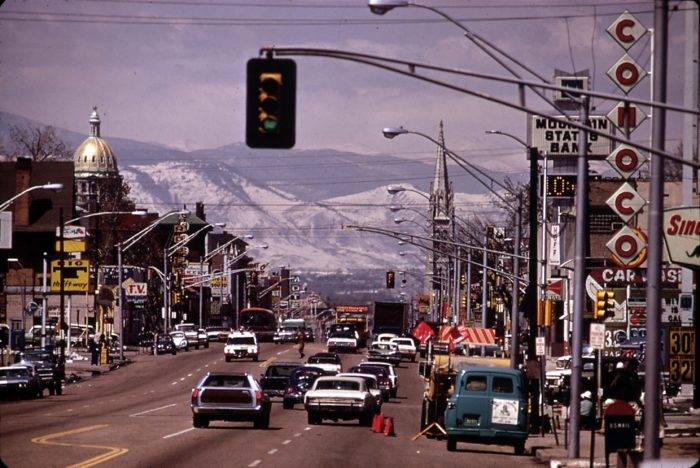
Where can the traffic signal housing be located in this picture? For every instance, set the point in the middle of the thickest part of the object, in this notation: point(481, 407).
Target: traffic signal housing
point(271, 103)
point(390, 277)
point(604, 304)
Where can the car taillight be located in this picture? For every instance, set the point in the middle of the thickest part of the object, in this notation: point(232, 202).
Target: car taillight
point(195, 394)
point(258, 395)
point(290, 389)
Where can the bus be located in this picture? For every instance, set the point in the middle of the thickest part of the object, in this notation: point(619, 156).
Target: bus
point(260, 321)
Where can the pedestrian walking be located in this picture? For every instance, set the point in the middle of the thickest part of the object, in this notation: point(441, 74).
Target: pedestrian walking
point(94, 352)
point(301, 341)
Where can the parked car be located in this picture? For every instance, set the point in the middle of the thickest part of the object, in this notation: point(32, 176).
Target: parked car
point(340, 398)
point(241, 345)
point(309, 335)
point(180, 340)
point(407, 347)
point(164, 343)
point(214, 332)
point(202, 338)
point(49, 370)
point(385, 337)
point(229, 397)
point(383, 381)
point(329, 362)
point(391, 373)
point(300, 381)
point(488, 406)
point(145, 339)
point(19, 381)
point(275, 380)
point(385, 351)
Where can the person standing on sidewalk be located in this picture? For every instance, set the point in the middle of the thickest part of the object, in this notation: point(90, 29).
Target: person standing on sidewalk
point(94, 352)
point(301, 341)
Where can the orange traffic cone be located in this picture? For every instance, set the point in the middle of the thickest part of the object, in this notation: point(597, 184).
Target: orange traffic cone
point(389, 427)
point(378, 423)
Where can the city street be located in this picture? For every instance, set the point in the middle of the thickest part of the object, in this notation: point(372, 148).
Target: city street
point(140, 416)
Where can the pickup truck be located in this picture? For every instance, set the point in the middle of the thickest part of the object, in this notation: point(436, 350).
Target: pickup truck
point(229, 397)
point(340, 398)
point(275, 380)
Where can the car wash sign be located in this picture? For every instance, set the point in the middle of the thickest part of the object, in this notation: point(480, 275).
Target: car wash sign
point(560, 139)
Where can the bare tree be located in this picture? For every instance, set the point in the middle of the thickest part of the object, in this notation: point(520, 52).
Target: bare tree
point(38, 143)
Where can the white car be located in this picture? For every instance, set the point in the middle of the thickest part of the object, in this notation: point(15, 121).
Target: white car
point(328, 362)
point(370, 382)
point(390, 371)
point(180, 340)
point(339, 343)
point(407, 348)
point(190, 331)
point(385, 337)
point(240, 345)
point(340, 398)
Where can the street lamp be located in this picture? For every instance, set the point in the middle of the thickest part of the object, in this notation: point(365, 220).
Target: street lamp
point(121, 248)
point(105, 213)
point(380, 7)
point(49, 186)
point(394, 189)
point(510, 135)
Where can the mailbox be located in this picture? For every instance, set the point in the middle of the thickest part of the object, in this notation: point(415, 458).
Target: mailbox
point(620, 428)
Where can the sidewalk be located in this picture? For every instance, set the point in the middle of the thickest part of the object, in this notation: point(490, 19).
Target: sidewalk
point(78, 364)
point(545, 450)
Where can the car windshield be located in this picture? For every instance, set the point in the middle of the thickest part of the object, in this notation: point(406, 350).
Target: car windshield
point(280, 371)
point(184, 328)
point(337, 385)
point(229, 381)
point(13, 373)
point(375, 370)
point(384, 346)
point(405, 341)
point(177, 335)
point(305, 377)
point(342, 334)
point(241, 340)
point(35, 356)
point(323, 360)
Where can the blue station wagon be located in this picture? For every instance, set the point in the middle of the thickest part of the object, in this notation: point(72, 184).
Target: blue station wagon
point(488, 406)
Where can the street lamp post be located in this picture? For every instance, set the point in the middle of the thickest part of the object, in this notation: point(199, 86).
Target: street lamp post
point(49, 186)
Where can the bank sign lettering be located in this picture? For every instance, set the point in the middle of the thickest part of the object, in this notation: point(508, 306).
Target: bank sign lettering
point(559, 139)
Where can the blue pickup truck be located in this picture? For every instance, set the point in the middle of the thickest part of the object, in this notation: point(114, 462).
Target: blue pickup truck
point(488, 406)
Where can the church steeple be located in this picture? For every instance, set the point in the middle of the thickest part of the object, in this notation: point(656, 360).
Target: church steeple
point(441, 190)
point(95, 123)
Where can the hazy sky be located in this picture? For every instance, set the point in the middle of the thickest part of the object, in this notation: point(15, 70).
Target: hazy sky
point(157, 77)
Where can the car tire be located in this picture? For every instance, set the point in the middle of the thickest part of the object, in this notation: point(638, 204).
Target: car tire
point(365, 420)
point(413, 358)
point(262, 422)
point(255, 358)
point(520, 448)
point(52, 389)
point(59, 389)
point(286, 404)
point(313, 419)
point(199, 422)
point(228, 359)
point(451, 443)
point(393, 392)
point(196, 346)
point(173, 352)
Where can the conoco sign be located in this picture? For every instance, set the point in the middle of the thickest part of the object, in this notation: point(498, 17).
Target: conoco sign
point(626, 30)
point(626, 160)
point(682, 235)
point(626, 202)
point(626, 73)
point(633, 116)
point(628, 247)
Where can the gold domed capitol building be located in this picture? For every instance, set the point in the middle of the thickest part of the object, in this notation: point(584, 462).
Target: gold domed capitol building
point(95, 166)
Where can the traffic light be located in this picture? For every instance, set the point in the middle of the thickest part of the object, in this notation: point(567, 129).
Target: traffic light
point(390, 280)
point(604, 304)
point(254, 278)
point(271, 102)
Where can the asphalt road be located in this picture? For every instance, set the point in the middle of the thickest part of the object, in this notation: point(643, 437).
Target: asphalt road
point(140, 416)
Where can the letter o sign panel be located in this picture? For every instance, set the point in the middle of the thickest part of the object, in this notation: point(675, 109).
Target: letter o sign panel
point(626, 30)
point(628, 247)
point(626, 73)
point(626, 160)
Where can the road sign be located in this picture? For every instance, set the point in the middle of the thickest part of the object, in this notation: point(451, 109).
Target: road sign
point(626, 202)
point(76, 275)
point(626, 30)
point(5, 229)
point(561, 186)
point(626, 73)
point(560, 139)
point(134, 289)
point(31, 308)
point(72, 232)
point(682, 354)
point(597, 336)
point(634, 117)
point(626, 160)
point(628, 247)
point(539, 346)
point(682, 235)
point(71, 245)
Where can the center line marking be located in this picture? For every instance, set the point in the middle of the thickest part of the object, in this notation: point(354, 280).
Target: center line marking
point(255, 463)
point(182, 379)
point(189, 375)
point(286, 442)
point(307, 428)
point(178, 433)
point(174, 383)
point(297, 434)
point(272, 452)
point(151, 410)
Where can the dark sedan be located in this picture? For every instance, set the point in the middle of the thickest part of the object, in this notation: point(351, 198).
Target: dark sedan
point(19, 382)
point(229, 397)
point(275, 380)
point(384, 351)
point(164, 344)
point(300, 382)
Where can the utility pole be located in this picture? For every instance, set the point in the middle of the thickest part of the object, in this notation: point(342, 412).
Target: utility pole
point(469, 286)
point(530, 300)
point(44, 304)
point(61, 262)
point(652, 374)
point(580, 249)
point(514, 306)
point(201, 290)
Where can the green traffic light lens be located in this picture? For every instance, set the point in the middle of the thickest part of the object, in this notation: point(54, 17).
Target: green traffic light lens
point(269, 125)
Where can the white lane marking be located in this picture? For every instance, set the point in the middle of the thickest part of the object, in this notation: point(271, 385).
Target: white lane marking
point(174, 383)
point(199, 369)
point(206, 365)
point(178, 433)
point(297, 434)
point(189, 375)
point(282, 352)
point(307, 428)
point(182, 379)
point(48, 414)
point(272, 452)
point(153, 391)
point(85, 406)
point(69, 410)
point(286, 442)
point(151, 410)
point(279, 352)
point(255, 463)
